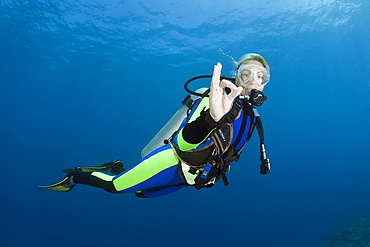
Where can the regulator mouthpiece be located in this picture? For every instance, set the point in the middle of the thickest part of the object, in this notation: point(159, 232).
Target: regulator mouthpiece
point(256, 98)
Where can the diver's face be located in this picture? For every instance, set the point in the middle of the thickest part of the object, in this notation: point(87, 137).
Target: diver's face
point(250, 77)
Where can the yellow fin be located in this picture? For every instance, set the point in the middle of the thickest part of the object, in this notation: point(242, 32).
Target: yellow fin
point(59, 186)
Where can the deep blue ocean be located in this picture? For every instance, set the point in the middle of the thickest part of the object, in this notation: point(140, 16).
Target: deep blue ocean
point(87, 82)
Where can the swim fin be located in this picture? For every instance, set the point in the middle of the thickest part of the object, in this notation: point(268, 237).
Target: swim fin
point(64, 185)
point(67, 183)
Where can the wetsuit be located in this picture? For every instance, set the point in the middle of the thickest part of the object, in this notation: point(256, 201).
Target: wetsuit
point(161, 172)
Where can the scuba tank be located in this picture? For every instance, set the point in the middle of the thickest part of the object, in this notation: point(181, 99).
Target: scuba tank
point(172, 125)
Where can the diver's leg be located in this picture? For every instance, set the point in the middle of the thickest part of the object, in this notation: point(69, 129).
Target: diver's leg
point(102, 179)
point(158, 169)
point(81, 175)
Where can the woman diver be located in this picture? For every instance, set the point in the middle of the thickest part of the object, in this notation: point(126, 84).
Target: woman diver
point(211, 136)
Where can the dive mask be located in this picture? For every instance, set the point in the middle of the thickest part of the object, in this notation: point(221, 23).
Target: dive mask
point(252, 73)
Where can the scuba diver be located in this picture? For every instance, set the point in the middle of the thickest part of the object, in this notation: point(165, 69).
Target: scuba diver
point(198, 150)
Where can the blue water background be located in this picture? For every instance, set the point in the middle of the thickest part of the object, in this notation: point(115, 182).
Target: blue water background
point(87, 82)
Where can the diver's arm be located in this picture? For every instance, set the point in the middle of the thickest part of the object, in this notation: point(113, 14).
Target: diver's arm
point(196, 131)
point(199, 127)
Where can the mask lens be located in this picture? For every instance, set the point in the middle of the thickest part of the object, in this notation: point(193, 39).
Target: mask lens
point(246, 76)
point(259, 78)
point(251, 73)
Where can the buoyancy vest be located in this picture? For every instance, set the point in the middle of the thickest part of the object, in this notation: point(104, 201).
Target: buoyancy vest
point(202, 167)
